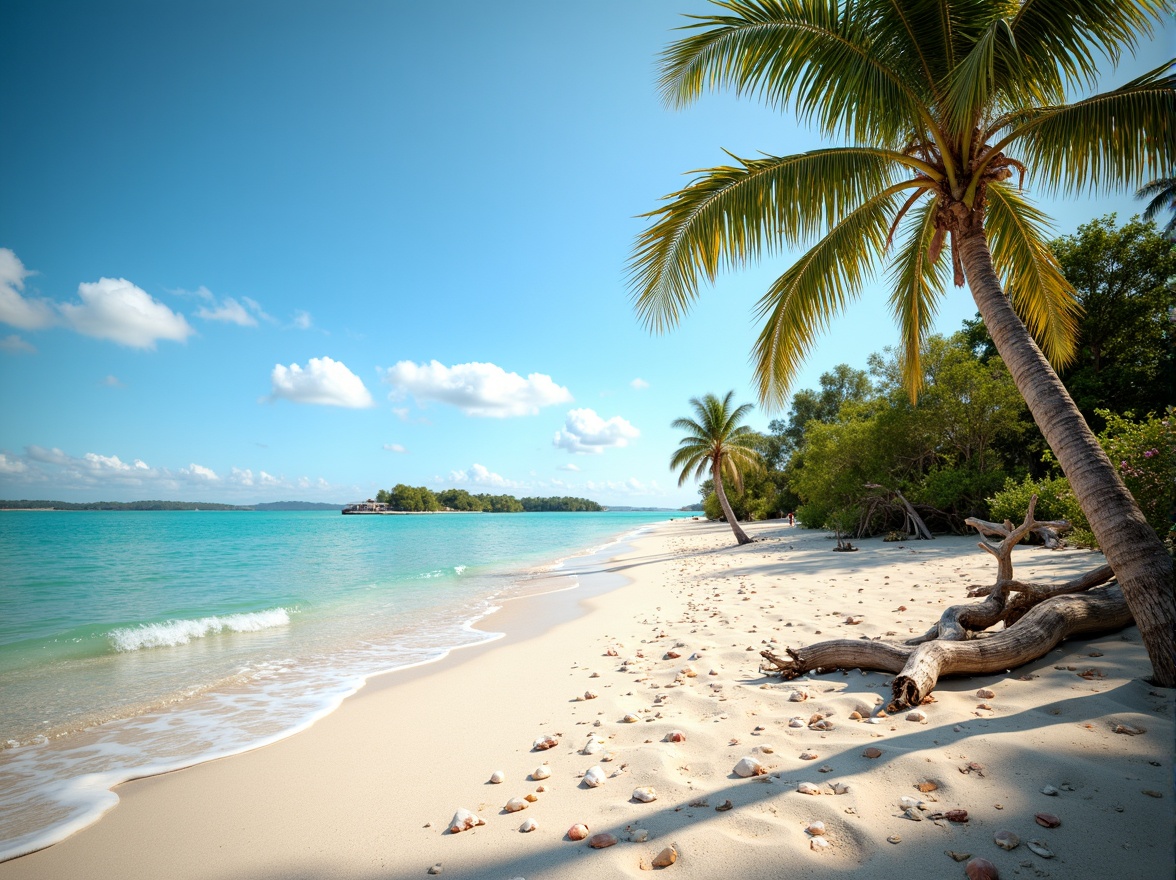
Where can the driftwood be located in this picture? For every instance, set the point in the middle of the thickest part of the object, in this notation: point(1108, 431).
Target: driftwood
point(1036, 617)
point(913, 523)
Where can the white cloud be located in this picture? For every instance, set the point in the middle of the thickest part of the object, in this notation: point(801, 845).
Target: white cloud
point(112, 381)
point(585, 432)
point(568, 467)
point(639, 384)
point(229, 311)
point(324, 381)
point(16, 309)
point(199, 472)
point(479, 475)
point(395, 447)
point(115, 309)
point(302, 320)
point(15, 345)
point(476, 389)
point(11, 465)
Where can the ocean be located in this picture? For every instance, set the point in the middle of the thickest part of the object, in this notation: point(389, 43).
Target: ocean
point(133, 643)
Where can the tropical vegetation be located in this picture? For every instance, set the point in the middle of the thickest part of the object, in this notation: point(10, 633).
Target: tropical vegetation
point(941, 103)
point(421, 499)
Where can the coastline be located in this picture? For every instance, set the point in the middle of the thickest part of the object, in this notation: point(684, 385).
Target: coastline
point(368, 789)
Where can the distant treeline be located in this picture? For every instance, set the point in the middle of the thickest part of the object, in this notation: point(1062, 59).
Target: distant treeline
point(418, 498)
point(118, 505)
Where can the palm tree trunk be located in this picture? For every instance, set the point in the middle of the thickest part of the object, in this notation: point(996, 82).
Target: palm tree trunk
point(740, 535)
point(1132, 549)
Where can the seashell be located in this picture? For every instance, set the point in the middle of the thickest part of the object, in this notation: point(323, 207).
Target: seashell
point(541, 772)
point(436, 869)
point(577, 832)
point(689, 672)
point(1128, 729)
point(497, 776)
point(839, 787)
point(927, 786)
point(816, 828)
point(594, 745)
point(600, 841)
point(1047, 820)
point(630, 718)
point(807, 788)
point(595, 776)
point(808, 756)
point(894, 838)
point(1006, 840)
point(1039, 848)
point(823, 724)
point(872, 752)
point(544, 743)
point(815, 717)
point(671, 655)
point(913, 814)
point(531, 797)
point(639, 835)
point(796, 722)
point(611, 652)
point(665, 858)
point(748, 767)
point(985, 694)
point(958, 856)
point(767, 750)
point(956, 815)
point(724, 806)
point(907, 802)
point(595, 675)
point(798, 696)
point(855, 716)
point(675, 736)
point(917, 715)
point(463, 820)
point(529, 825)
point(819, 844)
point(590, 695)
point(646, 794)
point(981, 869)
point(1050, 791)
point(516, 804)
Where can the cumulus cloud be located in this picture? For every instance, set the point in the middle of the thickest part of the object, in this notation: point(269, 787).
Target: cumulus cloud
point(394, 447)
point(115, 309)
point(568, 467)
point(13, 344)
point(11, 465)
point(302, 320)
point(639, 384)
point(479, 475)
point(476, 389)
point(585, 432)
point(15, 308)
point(324, 381)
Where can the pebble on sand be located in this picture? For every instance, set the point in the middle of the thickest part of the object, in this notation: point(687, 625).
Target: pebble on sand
point(528, 826)
point(595, 776)
point(981, 869)
point(748, 767)
point(1047, 820)
point(544, 743)
point(463, 820)
point(665, 858)
point(578, 832)
point(646, 794)
point(497, 776)
point(1006, 840)
point(600, 841)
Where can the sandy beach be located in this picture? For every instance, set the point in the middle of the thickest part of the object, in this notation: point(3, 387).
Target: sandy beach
point(669, 633)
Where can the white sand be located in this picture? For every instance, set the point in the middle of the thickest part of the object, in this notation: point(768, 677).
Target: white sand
point(368, 791)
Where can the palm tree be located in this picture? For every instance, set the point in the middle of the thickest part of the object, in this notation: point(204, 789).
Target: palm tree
point(1162, 193)
point(718, 443)
point(940, 102)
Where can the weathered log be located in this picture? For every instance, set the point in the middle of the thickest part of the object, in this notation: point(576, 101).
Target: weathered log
point(917, 525)
point(920, 667)
point(1034, 635)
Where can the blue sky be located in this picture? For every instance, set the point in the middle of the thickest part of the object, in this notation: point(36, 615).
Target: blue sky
point(253, 251)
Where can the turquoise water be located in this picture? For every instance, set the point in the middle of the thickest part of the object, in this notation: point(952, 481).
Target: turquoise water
point(136, 642)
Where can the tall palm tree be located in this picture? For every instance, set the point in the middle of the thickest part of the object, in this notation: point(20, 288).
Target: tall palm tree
point(718, 443)
point(940, 102)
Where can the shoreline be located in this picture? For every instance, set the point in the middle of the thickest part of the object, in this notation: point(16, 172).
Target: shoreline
point(368, 789)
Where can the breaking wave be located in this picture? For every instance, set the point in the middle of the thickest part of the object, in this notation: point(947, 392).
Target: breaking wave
point(180, 632)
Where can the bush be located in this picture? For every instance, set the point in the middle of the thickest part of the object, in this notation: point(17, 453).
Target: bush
point(1055, 500)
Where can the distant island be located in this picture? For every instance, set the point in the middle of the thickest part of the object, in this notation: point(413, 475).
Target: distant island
point(25, 504)
point(419, 499)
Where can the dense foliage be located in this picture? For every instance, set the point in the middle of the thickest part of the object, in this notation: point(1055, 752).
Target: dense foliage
point(421, 499)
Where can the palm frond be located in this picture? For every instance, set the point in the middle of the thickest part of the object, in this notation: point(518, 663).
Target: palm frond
point(732, 214)
point(815, 55)
point(1117, 139)
point(1018, 234)
point(919, 281)
point(974, 81)
point(801, 303)
point(1064, 42)
point(1162, 193)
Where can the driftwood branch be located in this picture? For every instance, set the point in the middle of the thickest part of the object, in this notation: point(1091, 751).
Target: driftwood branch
point(1035, 618)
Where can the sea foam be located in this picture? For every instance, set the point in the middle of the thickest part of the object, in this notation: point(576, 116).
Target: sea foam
point(181, 632)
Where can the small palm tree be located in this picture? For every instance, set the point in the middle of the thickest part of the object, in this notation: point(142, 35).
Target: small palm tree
point(718, 443)
point(941, 103)
point(1162, 193)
